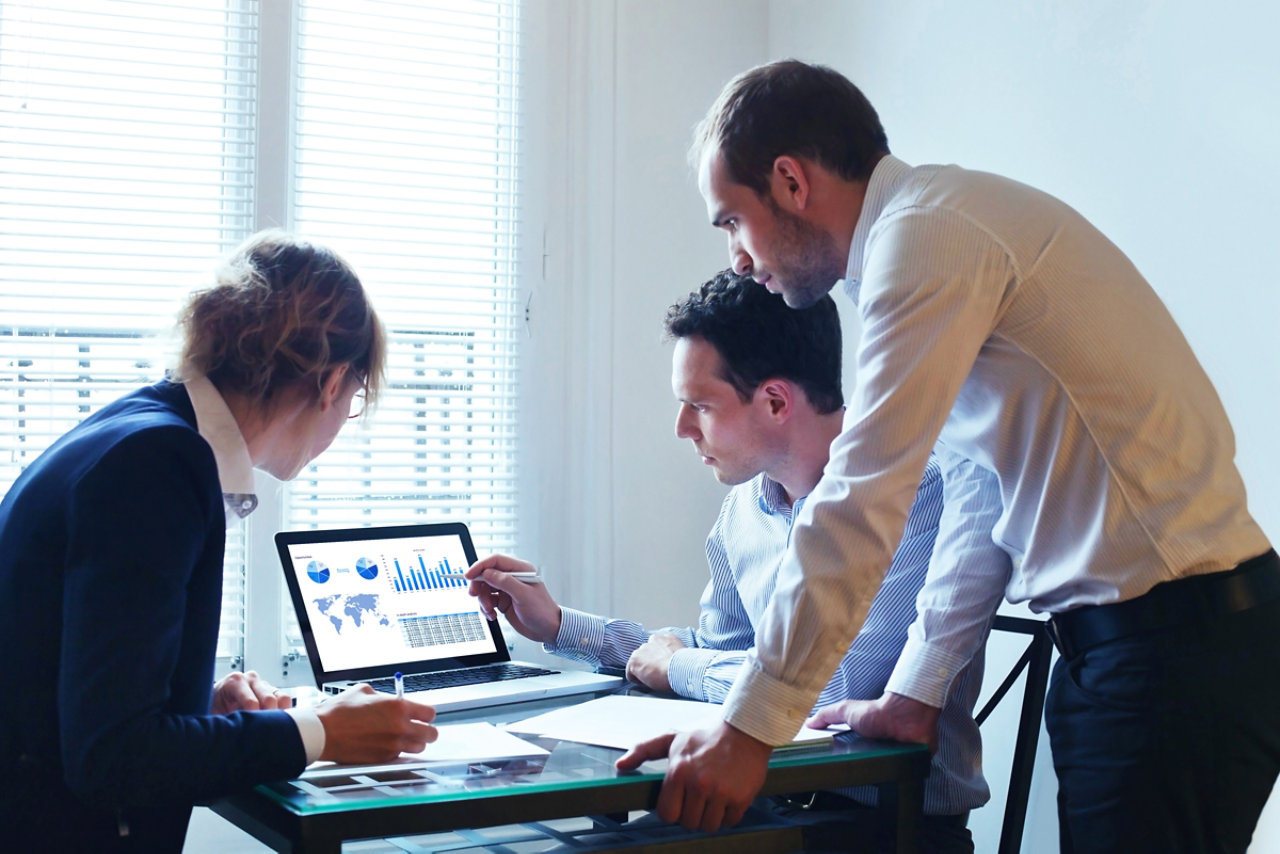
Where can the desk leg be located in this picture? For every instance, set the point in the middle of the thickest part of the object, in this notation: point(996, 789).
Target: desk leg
point(327, 845)
point(905, 801)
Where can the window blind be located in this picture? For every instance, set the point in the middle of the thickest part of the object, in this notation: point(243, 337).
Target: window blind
point(405, 145)
point(126, 170)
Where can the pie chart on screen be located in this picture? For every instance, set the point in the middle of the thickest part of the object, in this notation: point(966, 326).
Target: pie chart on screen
point(318, 572)
point(366, 567)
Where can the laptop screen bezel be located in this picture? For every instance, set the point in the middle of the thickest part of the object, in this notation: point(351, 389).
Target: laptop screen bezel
point(285, 539)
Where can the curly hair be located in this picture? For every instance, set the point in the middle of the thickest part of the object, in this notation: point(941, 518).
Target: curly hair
point(283, 314)
point(759, 337)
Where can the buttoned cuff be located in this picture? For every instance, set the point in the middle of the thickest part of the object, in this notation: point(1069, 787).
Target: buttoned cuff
point(311, 730)
point(581, 636)
point(765, 708)
point(925, 673)
point(687, 672)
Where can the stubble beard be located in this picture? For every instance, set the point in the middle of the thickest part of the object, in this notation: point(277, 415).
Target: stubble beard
point(810, 261)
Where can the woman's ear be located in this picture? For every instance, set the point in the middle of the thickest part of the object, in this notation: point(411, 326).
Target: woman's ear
point(332, 386)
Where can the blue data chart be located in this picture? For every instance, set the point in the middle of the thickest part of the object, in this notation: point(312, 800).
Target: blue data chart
point(366, 567)
point(421, 578)
point(317, 572)
point(443, 629)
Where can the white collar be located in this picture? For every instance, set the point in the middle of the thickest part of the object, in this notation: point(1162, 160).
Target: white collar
point(886, 179)
point(218, 427)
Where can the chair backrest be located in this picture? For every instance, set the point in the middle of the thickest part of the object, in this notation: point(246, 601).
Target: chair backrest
point(1035, 661)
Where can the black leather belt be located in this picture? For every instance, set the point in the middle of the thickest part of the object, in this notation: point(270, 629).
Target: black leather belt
point(1173, 603)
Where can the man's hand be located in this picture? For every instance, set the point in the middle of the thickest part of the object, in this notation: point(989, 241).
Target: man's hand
point(711, 779)
point(893, 716)
point(649, 663)
point(362, 726)
point(246, 692)
point(528, 607)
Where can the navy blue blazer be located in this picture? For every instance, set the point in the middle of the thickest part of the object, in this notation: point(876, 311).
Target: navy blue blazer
point(111, 548)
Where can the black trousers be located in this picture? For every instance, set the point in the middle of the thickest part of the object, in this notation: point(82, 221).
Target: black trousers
point(1168, 741)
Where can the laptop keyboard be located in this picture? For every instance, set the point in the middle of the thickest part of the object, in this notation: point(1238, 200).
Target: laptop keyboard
point(467, 676)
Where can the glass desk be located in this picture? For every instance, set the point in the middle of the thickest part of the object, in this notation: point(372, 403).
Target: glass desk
point(317, 814)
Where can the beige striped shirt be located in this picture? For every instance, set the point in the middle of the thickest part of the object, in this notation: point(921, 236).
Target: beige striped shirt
point(998, 321)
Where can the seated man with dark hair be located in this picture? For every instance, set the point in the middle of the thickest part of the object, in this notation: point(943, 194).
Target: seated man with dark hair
point(762, 412)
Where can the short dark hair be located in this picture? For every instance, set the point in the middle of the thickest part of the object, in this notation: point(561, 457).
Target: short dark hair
point(759, 337)
point(791, 108)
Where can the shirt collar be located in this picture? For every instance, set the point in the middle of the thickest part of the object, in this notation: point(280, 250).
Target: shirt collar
point(885, 180)
point(218, 427)
point(773, 498)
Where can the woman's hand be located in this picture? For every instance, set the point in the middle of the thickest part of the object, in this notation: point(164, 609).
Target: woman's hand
point(247, 692)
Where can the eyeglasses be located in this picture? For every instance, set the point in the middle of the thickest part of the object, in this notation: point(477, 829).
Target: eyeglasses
point(358, 404)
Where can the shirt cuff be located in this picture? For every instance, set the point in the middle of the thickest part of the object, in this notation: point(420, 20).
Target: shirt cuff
point(925, 673)
point(765, 708)
point(311, 730)
point(581, 636)
point(687, 672)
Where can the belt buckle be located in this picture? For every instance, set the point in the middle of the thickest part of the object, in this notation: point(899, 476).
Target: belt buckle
point(801, 800)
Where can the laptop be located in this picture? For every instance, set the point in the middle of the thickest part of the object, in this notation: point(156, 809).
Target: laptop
point(373, 602)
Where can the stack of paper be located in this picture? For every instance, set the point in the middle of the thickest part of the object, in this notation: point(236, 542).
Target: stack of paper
point(623, 721)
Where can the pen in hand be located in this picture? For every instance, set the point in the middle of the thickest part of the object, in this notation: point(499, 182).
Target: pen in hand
point(526, 577)
point(399, 685)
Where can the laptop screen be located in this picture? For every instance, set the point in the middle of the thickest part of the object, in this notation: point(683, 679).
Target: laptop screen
point(369, 599)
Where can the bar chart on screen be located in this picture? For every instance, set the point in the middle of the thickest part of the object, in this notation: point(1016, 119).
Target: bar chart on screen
point(418, 576)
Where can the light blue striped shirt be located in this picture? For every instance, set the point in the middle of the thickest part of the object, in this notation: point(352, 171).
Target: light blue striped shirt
point(744, 550)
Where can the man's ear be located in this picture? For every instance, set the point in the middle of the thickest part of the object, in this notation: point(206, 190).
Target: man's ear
point(779, 396)
point(332, 386)
point(789, 183)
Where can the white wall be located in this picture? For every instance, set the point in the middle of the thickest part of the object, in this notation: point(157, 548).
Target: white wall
point(1157, 120)
point(616, 506)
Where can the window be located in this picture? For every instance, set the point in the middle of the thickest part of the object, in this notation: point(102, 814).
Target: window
point(404, 159)
point(142, 140)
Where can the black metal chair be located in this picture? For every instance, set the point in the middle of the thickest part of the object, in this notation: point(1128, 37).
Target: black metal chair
point(1035, 661)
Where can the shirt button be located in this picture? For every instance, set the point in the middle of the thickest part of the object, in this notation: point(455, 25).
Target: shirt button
point(246, 504)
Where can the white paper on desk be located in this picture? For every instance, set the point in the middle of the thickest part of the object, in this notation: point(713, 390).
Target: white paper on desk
point(457, 743)
point(483, 740)
point(623, 721)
